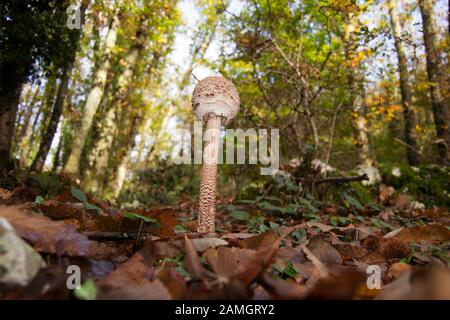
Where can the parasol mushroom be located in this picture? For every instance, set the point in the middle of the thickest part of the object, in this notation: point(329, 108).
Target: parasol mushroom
point(215, 101)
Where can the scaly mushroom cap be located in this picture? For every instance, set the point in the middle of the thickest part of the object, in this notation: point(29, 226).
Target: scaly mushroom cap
point(215, 95)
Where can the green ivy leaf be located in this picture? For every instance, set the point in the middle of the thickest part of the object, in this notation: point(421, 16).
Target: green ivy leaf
point(352, 201)
point(89, 206)
point(288, 272)
point(180, 227)
point(299, 235)
point(344, 220)
point(240, 215)
point(39, 200)
point(311, 216)
point(274, 226)
point(333, 220)
point(256, 224)
point(78, 194)
point(381, 224)
point(87, 291)
point(307, 204)
point(135, 216)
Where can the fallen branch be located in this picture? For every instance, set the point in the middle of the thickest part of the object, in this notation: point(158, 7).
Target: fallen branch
point(111, 235)
point(342, 179)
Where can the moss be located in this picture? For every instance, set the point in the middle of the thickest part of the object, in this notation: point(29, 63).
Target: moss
point(251, 191)
point(47, 184)
point(429, 184)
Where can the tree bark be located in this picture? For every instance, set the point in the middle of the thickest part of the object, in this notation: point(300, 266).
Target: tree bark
point(26, 147)
point(93, 100)
point(24, 128)
point(120, 174)
point(435, 70)
point(354, 80)
point(95, 176)
point(48, 135)
point(405, 88)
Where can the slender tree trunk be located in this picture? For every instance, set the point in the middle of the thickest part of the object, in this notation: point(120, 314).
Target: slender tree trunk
point(49, 133)
point(93, 100)
point(356, 100)
point(8, 110)
point(56, 160)
point(23, 109)
point(27, 145)
point(116, 184)
point(28, 113)
point(435, 70)
point(96, 175)
point(15, 63)
point(405, 88)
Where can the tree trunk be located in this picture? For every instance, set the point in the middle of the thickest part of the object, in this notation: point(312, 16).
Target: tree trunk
point(26, 146)
point(8, 110)
point(435, 71)
point(95, 176)
point(48, 135)
point(405, 88)
point(359, 121)
point(93, 100)
point(116, 184)
point(28, 113)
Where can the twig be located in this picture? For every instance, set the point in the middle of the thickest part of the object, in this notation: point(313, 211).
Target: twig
point(342, 179)
point(102, 235)
point(138, 238)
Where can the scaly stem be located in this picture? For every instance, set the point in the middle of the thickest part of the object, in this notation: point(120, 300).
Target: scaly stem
point(207, 201)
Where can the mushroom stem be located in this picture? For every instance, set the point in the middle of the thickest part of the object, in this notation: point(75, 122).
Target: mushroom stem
point(207, 201)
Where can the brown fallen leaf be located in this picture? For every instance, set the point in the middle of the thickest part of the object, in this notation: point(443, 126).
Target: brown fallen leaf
point(393, 233)
point(238, 235)
point(431, 233)
point(222, 290)
point(385, 215)
point(242, 264)
point(321, 270)
point(418, 284)
point(154, 290)
point(54, 236)
point(385, 192)
point(192, 261)
point(322, 227)
point(173, 281)
point(202, 244)
point(137, 271)
point(390, 248)
point(284, 290)
point(396, 269)
point(20, 195)
point(351, 251)
point(259, 293)
point(345, 285)
point(264, 240)
point(5, 194)
point(163, 248)
point(324, 251)
point(167, 221)
point(62, 210)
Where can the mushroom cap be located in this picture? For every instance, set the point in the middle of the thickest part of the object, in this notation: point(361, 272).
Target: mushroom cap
point(215, 95)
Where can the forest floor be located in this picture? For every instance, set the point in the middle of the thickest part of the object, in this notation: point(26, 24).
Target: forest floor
point(257, 252)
